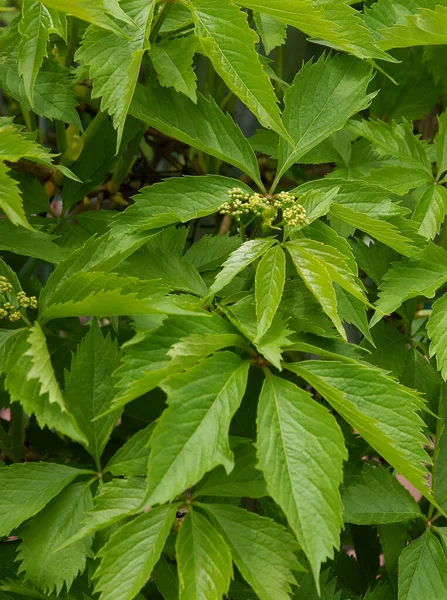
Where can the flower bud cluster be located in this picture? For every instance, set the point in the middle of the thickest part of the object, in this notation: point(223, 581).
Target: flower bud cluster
point(241, 203)
point(11, 310)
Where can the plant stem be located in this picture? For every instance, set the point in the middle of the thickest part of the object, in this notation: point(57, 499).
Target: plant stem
point(158, 22)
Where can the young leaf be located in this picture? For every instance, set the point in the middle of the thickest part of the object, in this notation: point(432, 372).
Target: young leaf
point(56, 523)
point(132, 457)
point(191, 437)
point(376, 497)
point(34, 31)
point(131, 553)
point(203, 125)
point(423, 569)
point(436, 330)
point(114, 79)
point(27, 488)
point(269, 285)
point(303, 478)
point(431, 210)
point(239, 260)
point(342, 95)
point(229, 43)
point(116, 500)
point(272, 32)
point(263, 551)
point(89, 388)
point(97, 13)
point(383, 412)
point(204, 560)
point(410, 278)
point(173, 63)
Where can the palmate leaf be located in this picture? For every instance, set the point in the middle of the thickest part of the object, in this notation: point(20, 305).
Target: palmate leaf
point(27, 390)
point(271, 31)
point(10, 198)
point(436, 329)
point(89, 388)
point(302, 477)
point(383, 412)
point(423, 569)
point(114, 62)
point(34, 31)
point(100, 294)
point(132, 457)
point(201, 404)
point(342, 95)
point(376, 497)
point(229, 43)
point(147, 361)
point(132, 552)
point(177, 199)
point(269, 285)
point(211, 251)
point(239, 260)
point(203, 125)
point(203, 559)
point(116, 500)
point(173, 62)
point(27, 488)
point(56, 523)
point(410, 278)
point(98, 14)
point(431, 210)
point(263, 551)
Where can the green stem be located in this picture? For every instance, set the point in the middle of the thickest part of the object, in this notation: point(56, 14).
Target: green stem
point(17, 431)
point(30, 118)
point(158, 22)
point(72, 43)
point(279, 67)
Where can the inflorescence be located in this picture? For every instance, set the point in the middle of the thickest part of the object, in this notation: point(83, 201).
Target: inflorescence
point(10, 307)
point(241, 203)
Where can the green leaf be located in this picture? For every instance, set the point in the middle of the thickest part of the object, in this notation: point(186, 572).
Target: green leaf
point(397, 140)
point(239, 260)
point(302, 477)
point(131, 553)
point(27, 488)
point(115, 79)
point(352, 311)
point(203, 125)
point(410, 278)
point(177, 199)
point(318, 280)
point(436, 330)
point(100, 294)
point(34, 31)
point(10, 198)
point(99, 13)
point(383, 412)
point(377, 497)
point(269, 285)
point(147, 361)
point(229, 43)
point(393, 539)
point(423, 569)
point(211, 251)
point(89, 388)
point(381, 230)
point(203, 559)
point(263, 551)
point(173, 62)
point(191, 436)
point(342, 95)
point(27, 390)
point(116, 500)
point(430, 211)
point(272, 31)
point(132, 457)
point(56, 523)
point(440, 142)
point(245, 480)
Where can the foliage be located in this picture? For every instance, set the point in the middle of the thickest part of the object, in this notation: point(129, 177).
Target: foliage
point(223, 301)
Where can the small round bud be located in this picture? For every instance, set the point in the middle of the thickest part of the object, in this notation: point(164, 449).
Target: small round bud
point(3, 313)
point(15, 316)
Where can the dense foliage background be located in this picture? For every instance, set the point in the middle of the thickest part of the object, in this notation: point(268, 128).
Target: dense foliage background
point(223, 336)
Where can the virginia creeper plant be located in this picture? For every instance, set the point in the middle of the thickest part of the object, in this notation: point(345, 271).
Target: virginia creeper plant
point(223, 307)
